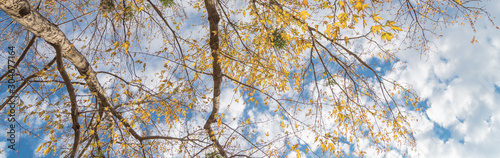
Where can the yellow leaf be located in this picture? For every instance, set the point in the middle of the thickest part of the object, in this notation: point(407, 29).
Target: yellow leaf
point(331, 146)
point(341, 116)
point(343, 17)
point(358, 6)
point(396, 28)
point(390, 23)
point(298, 153)
point(304, 2)
point(303, 15)
point(377, 18)
point(387, 36)
point(46, 151)
point(376, 29)
point(39, 147)
point(323, 147)
point(125, 45)
point(328, 30)
point(50, 2)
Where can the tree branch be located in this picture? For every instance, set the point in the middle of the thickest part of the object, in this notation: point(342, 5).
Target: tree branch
point(25, 51)
point(21, 12)
point(26, 81)
point(213, 19)
point(72, 97)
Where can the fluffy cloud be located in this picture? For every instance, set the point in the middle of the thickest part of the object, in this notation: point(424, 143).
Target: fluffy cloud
point(461, 83)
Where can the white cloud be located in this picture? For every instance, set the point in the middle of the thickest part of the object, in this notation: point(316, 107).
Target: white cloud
point(293, 154)
point(458, 80)
point(232, 109)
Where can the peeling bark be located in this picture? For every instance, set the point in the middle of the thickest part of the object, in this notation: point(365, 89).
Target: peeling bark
point(31, 20)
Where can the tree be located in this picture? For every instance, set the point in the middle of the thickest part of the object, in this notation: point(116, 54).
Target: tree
point(308, 66)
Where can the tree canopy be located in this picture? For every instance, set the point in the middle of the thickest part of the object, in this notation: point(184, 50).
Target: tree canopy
point(220, 78)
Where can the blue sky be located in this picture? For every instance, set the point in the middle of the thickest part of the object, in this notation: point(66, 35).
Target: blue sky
point(460, 82)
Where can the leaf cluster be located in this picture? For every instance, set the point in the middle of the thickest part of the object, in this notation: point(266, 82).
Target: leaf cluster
point(277, 40)
point(167, 3)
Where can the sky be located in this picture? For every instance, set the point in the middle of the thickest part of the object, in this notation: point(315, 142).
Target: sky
point(459, 81)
